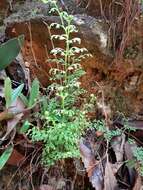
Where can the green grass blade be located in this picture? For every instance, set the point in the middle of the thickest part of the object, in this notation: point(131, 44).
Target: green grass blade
point(5, 156)
point(8, 92)
point(34, 93)
point(16, 92)
point(24, 99)
point(25, 127)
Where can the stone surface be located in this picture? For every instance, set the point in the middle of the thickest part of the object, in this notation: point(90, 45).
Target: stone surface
point(3, 10)
point(38, 43)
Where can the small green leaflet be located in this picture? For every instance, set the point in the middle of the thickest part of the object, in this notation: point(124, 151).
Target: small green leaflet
point(34, 93)
point(5, 156)
point(9, 51)
point(45, 1)
point(7, 92)
point(25, 127)
point(16, 92)
point(24, 99)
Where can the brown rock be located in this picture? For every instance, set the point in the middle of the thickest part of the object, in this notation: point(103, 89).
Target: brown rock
point(38, 43)
point(3, 4)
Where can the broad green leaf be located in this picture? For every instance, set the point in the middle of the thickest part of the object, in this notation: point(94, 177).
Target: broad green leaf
point(9, 51)
point(16, 92)
point(25, 127)
point(8, 92)
point(24, 99)
point(34, 93)
point(5, 156)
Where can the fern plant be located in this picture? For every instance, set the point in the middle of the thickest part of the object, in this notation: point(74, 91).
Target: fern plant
point(138, 162)
point(63, 121)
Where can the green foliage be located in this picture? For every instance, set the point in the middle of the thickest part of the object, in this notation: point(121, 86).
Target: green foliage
point(108, 134)
point(16, 92)
point(9, 94)
point(137, 161)
point(7, 91)
point(127, 126)
point(34, 94)
point(9, 50)
point(130, 163)
point(63, 121)
point(138, 154)
point(25, 127)
point(24, 99)
point(5, 156)
point(10, 97)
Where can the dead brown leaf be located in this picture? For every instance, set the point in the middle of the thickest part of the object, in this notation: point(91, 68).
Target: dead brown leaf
point(17, 106)
point(110, 182)
point(45, 187)
point(5, 115)
point(87, 158)
point(93, 167)
point(138, 184)
point(129, 150)
point(117, 144)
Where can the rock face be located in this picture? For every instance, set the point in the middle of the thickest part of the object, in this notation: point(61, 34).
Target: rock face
point(120, 79)
point(38, 43)
point(3, 10)
point(3, 4)
point(100, 8)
